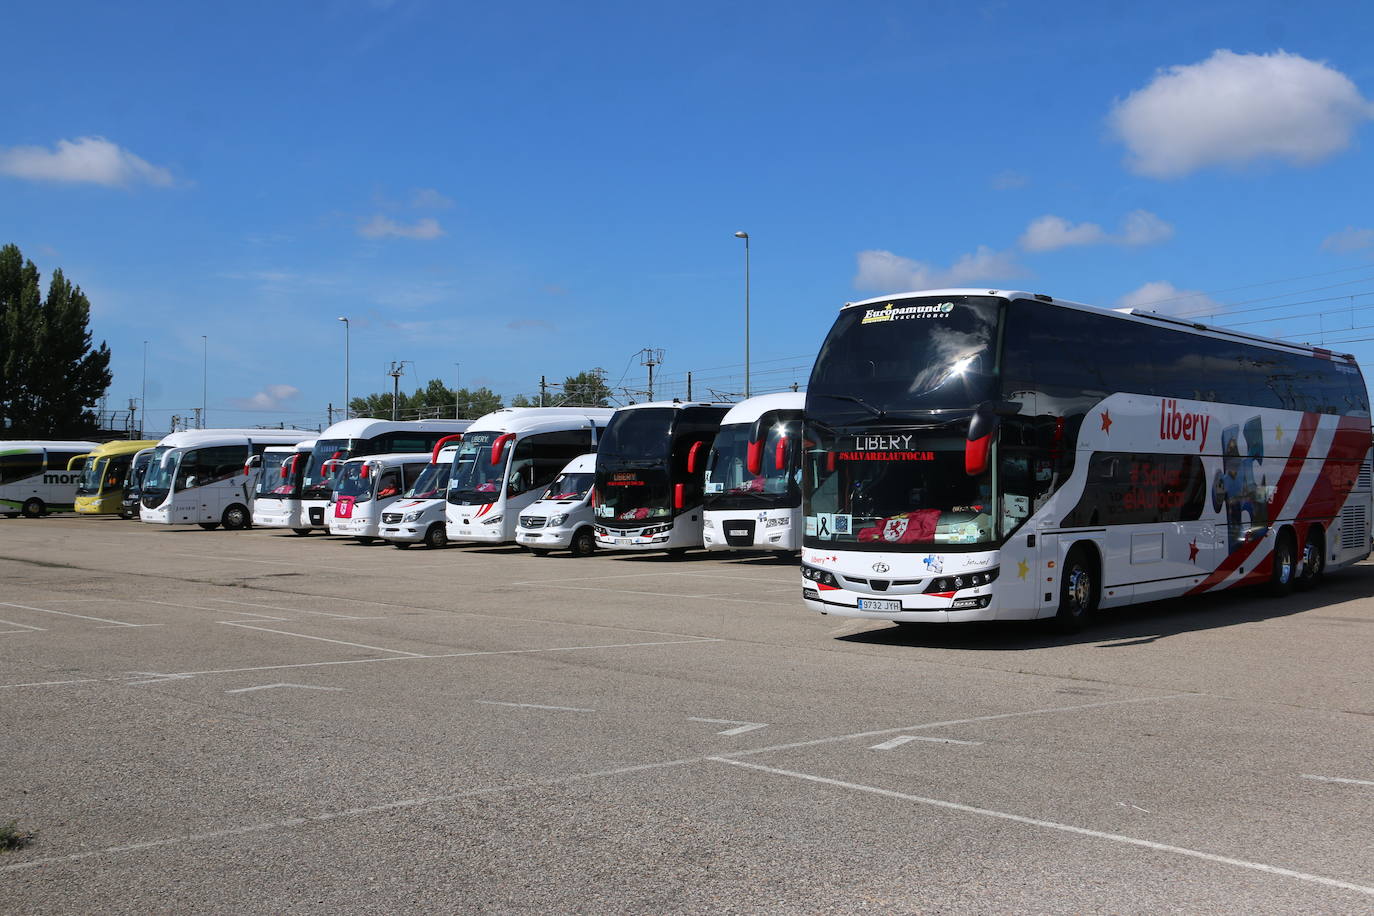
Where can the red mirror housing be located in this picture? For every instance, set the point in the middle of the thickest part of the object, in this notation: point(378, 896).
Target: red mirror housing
point(434, 456)
point(680, 494)
point(780, 454)
point(692, 457)
point(976, 452)
point(753, 458)
point(366, 471)
point(498, 448)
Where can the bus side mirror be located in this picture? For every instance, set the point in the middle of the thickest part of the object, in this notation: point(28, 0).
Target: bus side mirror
point(982, 427)
point(780, 454)
point(692, 457)
point(754, 457)
point(679, 495)
point(498, 448)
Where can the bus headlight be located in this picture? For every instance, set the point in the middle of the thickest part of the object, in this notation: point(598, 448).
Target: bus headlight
point(964, 580)
point(709, 523)
point(557, 520)
point(494, 520)
point(412, 516)
point(822, 576)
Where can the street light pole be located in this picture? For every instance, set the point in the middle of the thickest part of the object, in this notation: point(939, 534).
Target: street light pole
point(745, 236)
point(204, 378)
point(143, 401)
point(346, 367)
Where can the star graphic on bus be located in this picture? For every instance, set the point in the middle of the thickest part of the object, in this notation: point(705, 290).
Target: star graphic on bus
point(1106, 422)
point(1278, 432)
point(1022, 568)
point(1192, 551)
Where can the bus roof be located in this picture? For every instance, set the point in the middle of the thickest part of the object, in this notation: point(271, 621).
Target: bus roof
point(305, 445)
point(676, 404)
point(750, 409)
point(367, 427)
point(542, 419)
point(33, 445)
point(392, 459)
point(1143, 316)
point(122, 447)
point(191, 438)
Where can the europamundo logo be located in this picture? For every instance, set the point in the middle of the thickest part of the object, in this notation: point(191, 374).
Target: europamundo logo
point(891, 312)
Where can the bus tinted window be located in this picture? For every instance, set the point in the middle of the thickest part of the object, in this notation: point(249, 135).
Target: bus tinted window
point(19, 466)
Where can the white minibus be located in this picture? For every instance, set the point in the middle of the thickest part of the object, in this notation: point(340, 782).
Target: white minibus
point(277, 498)
point(36, 477)
point(358, 438)
point(365, 487)
point(200, 477)
point(753, 477)
point(507, 459)
point(650, 475)
point(561, 519)
point(420, 517)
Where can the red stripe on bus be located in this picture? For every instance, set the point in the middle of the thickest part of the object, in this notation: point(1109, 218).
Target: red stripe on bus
point(1291, 471)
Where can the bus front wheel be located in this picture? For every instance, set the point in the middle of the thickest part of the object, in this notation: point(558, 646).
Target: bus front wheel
point(1077, 592)
point(236, 518)
point(1313, 559)
point(301, 532)
point(33, 508)
point(208, 526)
point(436, 536)
point(583, 543)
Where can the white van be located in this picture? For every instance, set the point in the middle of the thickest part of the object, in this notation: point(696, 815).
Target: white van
point(562, 518)
point(365, 487)
point(420, 515)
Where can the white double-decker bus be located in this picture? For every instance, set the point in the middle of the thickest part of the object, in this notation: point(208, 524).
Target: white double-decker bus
point(36, 476)
point(981, 455)
point(753, 476)
point(277, 497)
point(505, 461)
point(358, 438)
point(651, 473)
point(201, 477)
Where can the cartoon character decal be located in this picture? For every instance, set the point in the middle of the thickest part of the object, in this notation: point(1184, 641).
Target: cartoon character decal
point(1235, 485)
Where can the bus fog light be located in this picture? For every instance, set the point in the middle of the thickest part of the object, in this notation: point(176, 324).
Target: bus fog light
point(709, 523)
point(969, 604)
point(811, 593)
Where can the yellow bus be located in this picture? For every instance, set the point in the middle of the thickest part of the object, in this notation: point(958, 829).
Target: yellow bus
point(101, 488)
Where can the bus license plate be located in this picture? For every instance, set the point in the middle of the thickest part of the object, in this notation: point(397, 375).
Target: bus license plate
point(624, 541)
point(879, 604)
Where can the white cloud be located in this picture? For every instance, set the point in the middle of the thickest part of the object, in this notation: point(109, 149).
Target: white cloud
point(93, 160)
point(272, 397)
point(1167, 299)
point(430, 199)
point(883, 270)
point(381, 227)
point(1046, 233)
point(1233, 108)
point(1050, 232)
point(1349, 239)
point(1009, 180)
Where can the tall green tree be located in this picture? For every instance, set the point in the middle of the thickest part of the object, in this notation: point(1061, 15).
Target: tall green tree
point(585, 389)
point(434, 400)
point(50, 375)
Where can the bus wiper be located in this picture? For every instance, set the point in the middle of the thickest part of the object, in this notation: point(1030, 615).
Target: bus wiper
point(876, 411)
point(879, 413)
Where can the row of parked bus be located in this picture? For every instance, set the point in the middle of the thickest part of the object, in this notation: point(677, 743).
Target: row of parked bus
point(666, 476)
point(959, 455)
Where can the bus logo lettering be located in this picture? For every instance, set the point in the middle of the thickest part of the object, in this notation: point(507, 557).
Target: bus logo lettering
point(1173, 424)
point(60, 478)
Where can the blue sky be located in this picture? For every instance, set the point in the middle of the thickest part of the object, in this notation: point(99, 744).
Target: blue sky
point(550, 187)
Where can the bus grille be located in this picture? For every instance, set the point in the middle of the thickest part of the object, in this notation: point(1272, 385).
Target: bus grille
point(532, 521)
point(1354, 527)
point(391, 518)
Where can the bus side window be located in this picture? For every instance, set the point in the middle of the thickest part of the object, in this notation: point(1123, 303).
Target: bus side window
point(389, 485)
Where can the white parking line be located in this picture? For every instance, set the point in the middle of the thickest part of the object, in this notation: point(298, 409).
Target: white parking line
point(1053, 825)
point(534, 706)
point(742, 727)
point(1353, 782)
point(117, 623)
point(907, 739)
point(212, 610)
point(626, 591)
point(11, 623)
point(273, 607)
point(356, 645)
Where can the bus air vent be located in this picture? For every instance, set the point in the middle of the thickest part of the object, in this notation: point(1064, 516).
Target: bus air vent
point(1365, 479)
point(1354, 527)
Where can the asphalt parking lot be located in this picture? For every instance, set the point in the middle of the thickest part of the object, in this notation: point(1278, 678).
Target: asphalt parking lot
point(256, 722)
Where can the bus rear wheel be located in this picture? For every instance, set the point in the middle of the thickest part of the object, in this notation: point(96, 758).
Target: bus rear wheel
point(1313, 559)
point(1284, 564)
point(33, 508)
point(301, 532)
point(1078, 590)
point(236, 518)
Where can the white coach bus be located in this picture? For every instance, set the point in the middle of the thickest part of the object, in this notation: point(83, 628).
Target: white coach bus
point(981, 455)
point(506, 460)
point(277, 496)
point(358, 438)
point(366, 487)
point(753, 477)
point(36, 477)
point(201, 477)
point(650, 475)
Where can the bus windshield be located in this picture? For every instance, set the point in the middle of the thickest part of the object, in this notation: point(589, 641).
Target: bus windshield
point(134, 478)
point(904, 487)
point(919, 353)
point(351, 482)
point(317, 482)
point(157, 480)
point(638, 434)
point(634, 496)
point(474, 480)
point(91, 474)
point(271, 483)
point(731, 485)
point(431, 483)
